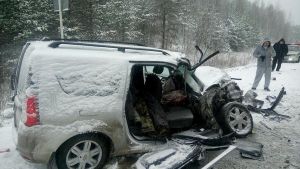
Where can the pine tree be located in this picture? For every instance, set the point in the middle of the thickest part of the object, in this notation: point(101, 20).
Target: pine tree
point(9, 25)
point(38, 19)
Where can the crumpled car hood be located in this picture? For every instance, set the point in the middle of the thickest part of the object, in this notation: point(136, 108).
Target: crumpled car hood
point(210, 75)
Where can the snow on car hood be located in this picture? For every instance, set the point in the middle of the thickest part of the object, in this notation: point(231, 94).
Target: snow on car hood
point(210, 75)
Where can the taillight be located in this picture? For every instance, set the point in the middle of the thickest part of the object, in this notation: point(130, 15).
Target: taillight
point(32, 113)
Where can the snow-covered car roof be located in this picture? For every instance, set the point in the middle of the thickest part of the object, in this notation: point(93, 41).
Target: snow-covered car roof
point(107, 51)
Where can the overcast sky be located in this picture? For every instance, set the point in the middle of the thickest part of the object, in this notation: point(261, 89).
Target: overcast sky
point(290, 7)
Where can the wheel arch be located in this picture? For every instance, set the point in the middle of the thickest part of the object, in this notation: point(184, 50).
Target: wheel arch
point(95, 133)
point(52, 160)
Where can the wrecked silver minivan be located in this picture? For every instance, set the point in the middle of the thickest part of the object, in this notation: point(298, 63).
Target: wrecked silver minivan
point(79, 103)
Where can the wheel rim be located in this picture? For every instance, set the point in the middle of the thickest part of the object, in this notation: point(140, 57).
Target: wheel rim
point(239, 121)
point(84, 155)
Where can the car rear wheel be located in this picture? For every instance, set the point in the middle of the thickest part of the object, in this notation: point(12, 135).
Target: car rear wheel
point(83, 152)
point(236, 118)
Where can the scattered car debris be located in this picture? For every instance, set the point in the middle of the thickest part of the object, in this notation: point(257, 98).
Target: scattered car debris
point(173, 157)
point(250, 150)
point(207, 137)
point(249, 100)
point(186, 147)
point(270, 112)
point(271, 99)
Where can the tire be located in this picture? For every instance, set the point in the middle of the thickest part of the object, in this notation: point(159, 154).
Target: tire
point(236, 118)
point(83, 151)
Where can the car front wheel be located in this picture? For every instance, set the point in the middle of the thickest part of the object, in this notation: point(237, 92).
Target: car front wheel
point(83, 152)
point(236, 118)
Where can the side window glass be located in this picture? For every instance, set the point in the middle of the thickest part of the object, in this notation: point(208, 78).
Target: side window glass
point(161, 71)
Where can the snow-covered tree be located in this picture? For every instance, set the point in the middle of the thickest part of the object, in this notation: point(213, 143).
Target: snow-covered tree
point(37, 18)
point(9, 25)
point(118, 20)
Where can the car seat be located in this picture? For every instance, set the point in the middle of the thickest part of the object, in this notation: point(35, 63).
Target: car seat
point(153, 86)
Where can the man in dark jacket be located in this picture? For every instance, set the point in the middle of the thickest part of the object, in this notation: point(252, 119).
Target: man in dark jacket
point(281, 50)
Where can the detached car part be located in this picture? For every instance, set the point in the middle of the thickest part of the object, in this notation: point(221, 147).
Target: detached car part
point(271, 111)
point(184, 148)
point(175, 156)
point(207, 137)
point(251, 150)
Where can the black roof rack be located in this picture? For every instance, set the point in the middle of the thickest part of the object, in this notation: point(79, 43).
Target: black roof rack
point(56, 44)
point(98, 41)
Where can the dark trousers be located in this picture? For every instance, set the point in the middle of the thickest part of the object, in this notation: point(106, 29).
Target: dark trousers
point(277, 60)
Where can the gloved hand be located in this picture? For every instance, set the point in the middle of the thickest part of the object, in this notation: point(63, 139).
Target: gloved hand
point(262, 58)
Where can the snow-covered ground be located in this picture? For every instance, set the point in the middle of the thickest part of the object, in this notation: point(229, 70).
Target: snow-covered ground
point(281, 140)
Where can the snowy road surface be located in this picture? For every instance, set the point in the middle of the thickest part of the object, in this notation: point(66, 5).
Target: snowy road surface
point(281, 140)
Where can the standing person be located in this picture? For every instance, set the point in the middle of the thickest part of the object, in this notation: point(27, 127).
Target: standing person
point(264, 54)
point(281, 50)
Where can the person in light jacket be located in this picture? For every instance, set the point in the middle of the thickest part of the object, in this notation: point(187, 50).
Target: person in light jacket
point(264, 54)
